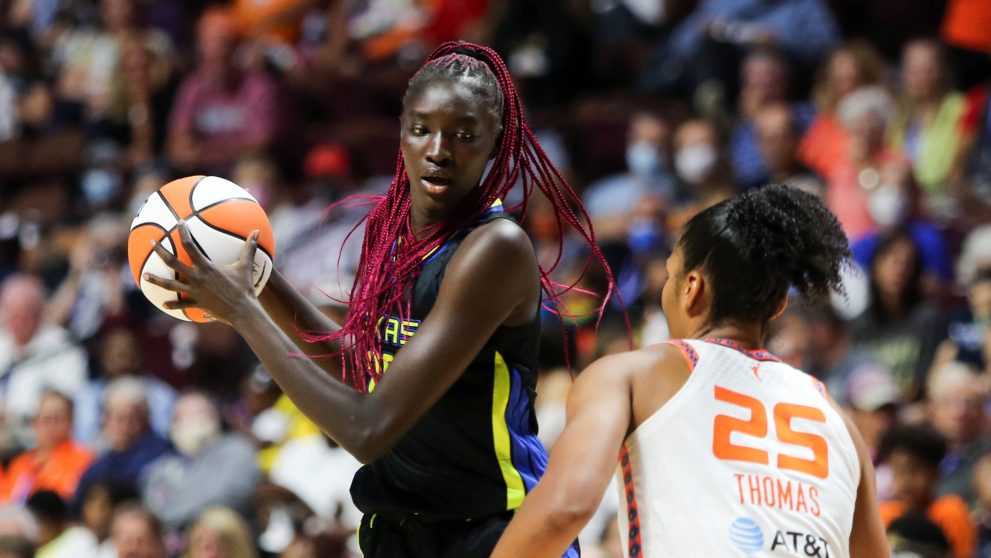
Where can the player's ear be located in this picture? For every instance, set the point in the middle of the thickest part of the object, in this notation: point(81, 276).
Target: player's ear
point(781, 308)
point(694, 290)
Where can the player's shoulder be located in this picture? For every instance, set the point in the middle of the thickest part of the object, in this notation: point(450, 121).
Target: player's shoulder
point(662, 358)
point(499, 242)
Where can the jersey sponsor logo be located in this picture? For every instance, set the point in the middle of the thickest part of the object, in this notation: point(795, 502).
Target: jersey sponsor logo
point(777, 492)
point(748, 536)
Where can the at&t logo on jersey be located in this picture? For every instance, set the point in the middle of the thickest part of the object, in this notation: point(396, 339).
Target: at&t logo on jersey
point(747, 535)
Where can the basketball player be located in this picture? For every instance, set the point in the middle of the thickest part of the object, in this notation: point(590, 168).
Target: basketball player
point(441, 334)
point(724, 450)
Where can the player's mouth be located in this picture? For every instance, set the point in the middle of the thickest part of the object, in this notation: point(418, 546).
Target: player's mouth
point(436, 184)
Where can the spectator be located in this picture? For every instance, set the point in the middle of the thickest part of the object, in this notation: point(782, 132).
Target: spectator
point(120, 355)
point(16, 547)
point(957, 409)
point(219, 532)
point(966, 30)
point(702, 170)
point(96, 288)
point(181, 485)
point(864, 114)
point(777, 140)
point(221, 110)
point(896, 204)
point(88, 58)
point(610, 201)
point(709, 44)
point(765, 77)
point(131, 444)
point(34, 354)
point(970, 331)
point(57, 538)
point(900, 328)
point(914, 535)
point(851, 66)
point(97, 511)
point(915, 453)
point(136, 533)
point(56, 463)
point(928, 124)
point(872, 403)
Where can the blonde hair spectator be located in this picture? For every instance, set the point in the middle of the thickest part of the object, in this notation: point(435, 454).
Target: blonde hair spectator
point(220, 529)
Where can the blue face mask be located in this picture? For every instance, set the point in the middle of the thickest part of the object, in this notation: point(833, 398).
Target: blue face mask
point(644, 235)
point(644, 159)
point(99, 186)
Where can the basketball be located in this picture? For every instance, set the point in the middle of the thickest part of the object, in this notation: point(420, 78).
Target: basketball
point(219, 214)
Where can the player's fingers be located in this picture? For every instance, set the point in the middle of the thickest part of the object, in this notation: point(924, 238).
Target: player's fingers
point(180, 304)
point(169, 258)
point(250, 245)
point(195, 254)
point(167, 284)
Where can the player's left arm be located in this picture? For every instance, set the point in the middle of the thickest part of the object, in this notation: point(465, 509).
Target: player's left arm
point(581, 464)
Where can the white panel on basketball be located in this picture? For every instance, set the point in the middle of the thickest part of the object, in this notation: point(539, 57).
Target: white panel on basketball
point(155, 211)
point(157, 295)
point(213, 189)
point(261, 270)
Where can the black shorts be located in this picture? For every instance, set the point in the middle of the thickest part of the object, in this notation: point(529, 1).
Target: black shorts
point(381, 537)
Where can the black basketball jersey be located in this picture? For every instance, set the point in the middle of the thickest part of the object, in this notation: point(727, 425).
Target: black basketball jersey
point(475, 452)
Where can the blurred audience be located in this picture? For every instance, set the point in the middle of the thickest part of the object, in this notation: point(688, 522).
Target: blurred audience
point(57, 461)
point(120, 355)
point(849, 67)
point(131, 443)
point(135, 533)
point(181, 484)
point(219, 532)
point(221, 110)
point(915, 453)
point(57, 536)
point(35, 355)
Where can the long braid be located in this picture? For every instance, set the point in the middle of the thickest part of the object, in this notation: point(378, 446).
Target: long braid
point(391, 253)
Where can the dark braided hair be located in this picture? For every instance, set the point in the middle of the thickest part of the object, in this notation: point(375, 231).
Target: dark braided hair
point(757, 245)
point(391, 253)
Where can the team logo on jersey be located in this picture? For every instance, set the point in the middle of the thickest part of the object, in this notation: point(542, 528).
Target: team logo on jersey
point(746, 535)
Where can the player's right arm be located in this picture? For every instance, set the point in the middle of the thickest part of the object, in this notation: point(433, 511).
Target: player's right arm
point(867, 538)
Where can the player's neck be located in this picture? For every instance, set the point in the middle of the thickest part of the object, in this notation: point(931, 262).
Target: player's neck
point(749, 336)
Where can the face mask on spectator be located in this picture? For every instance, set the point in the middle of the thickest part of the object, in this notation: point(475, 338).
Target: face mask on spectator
point(888, 205)
point(99, 186)
point(644, 235)
point(644, 159)
point(190, 436)
point(695, 162)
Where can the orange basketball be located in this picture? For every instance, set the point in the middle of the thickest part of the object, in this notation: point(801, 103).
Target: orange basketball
point(220, 216)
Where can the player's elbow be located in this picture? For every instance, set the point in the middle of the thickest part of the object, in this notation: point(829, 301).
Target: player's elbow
point(369, 443)
point(572, 509)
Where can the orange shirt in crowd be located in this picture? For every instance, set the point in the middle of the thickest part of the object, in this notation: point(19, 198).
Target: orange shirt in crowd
point(950, 513)
point(967, 24)
point(278, 19)
point(848, 199)
point(824, 143)
point(59, 472)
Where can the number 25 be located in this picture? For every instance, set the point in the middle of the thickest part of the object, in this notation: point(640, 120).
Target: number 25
point(724, 426)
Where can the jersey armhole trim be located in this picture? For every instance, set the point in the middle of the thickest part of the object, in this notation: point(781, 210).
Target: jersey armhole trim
point(687, 351)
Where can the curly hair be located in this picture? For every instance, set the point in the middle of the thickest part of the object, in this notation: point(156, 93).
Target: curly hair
point(754, 247)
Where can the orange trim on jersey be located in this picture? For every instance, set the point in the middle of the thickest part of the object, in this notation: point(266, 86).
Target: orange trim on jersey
point(756, 354)
point(634, 544)
point(691, 356)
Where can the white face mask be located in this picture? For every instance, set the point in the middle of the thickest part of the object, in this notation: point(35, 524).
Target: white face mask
point(644, 159)
point(695, 162)
point(190, 436)
point(888, 205)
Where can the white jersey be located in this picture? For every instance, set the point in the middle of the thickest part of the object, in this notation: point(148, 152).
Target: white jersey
point(747, 459)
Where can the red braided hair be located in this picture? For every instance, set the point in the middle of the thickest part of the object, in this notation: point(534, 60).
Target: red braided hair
point(391, 253)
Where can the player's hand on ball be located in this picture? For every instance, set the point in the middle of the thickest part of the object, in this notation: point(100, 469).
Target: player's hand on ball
point(221, 290)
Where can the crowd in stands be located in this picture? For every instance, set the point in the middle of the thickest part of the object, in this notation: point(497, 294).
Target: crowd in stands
point(125, 432)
